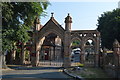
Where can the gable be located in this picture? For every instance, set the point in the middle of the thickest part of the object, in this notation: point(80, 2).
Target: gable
point(52, 26)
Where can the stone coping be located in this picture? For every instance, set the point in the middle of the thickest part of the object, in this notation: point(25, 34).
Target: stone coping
point(73, 75)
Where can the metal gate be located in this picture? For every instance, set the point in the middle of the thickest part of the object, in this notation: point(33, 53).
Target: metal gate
point(48, 63)
point(90, 60)
point(51, 56)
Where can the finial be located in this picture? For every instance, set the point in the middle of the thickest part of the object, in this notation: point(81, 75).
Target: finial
point(68, 14)
point(116, 43)
point(37, 20)
point(52, 14)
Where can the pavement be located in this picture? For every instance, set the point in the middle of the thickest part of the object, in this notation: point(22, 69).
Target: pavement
point(34, 73)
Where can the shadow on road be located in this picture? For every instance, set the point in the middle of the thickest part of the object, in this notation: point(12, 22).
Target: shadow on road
point(38, 76)
point(37, 79)
point(32, 68)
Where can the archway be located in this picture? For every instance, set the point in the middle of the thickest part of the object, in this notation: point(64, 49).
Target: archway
point(51, 51)
point(70, 39)
point(75, 51)
point(89, 48)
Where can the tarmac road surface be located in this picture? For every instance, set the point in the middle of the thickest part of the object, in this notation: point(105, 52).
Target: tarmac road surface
point(35, 73)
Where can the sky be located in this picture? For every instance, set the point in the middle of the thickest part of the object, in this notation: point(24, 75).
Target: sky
point(84, 14)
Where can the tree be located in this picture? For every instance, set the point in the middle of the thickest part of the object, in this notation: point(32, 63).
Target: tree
point(109, 27)
point(17, 19)
point(76, 43)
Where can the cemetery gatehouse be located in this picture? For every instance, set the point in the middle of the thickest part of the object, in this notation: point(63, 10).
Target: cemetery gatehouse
point(52, 42)
point(52, 46)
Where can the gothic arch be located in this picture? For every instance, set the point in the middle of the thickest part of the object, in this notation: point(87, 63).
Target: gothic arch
point(75, 38)
point(41, 37)
point(76, 35)
point(52, 26)
point(90, 38)
point(57, 32)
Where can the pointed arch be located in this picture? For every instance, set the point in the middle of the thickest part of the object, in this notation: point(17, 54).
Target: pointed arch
point(75, 38)
point(89, 38)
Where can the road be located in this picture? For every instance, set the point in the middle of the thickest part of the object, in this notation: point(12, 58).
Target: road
point(35, 73)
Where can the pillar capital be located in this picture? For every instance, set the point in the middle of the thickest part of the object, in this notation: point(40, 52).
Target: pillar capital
point(68, 19)
point(116, 44)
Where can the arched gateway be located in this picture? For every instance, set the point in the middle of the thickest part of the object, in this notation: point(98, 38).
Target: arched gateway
point(53, 39)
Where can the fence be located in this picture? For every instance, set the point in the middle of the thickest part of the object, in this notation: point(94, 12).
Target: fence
point(110, 60)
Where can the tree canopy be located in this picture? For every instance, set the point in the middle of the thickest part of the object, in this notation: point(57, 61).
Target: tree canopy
point(109, 27)
point(76, 43)
point(17, 19)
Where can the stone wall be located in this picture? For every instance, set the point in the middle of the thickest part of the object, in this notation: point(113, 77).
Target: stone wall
point(111, 60)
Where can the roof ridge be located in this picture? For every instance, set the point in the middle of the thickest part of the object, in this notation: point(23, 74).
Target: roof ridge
point(55, 21)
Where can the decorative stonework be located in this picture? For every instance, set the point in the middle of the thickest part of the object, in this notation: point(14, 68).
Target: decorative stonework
point(67, 36)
